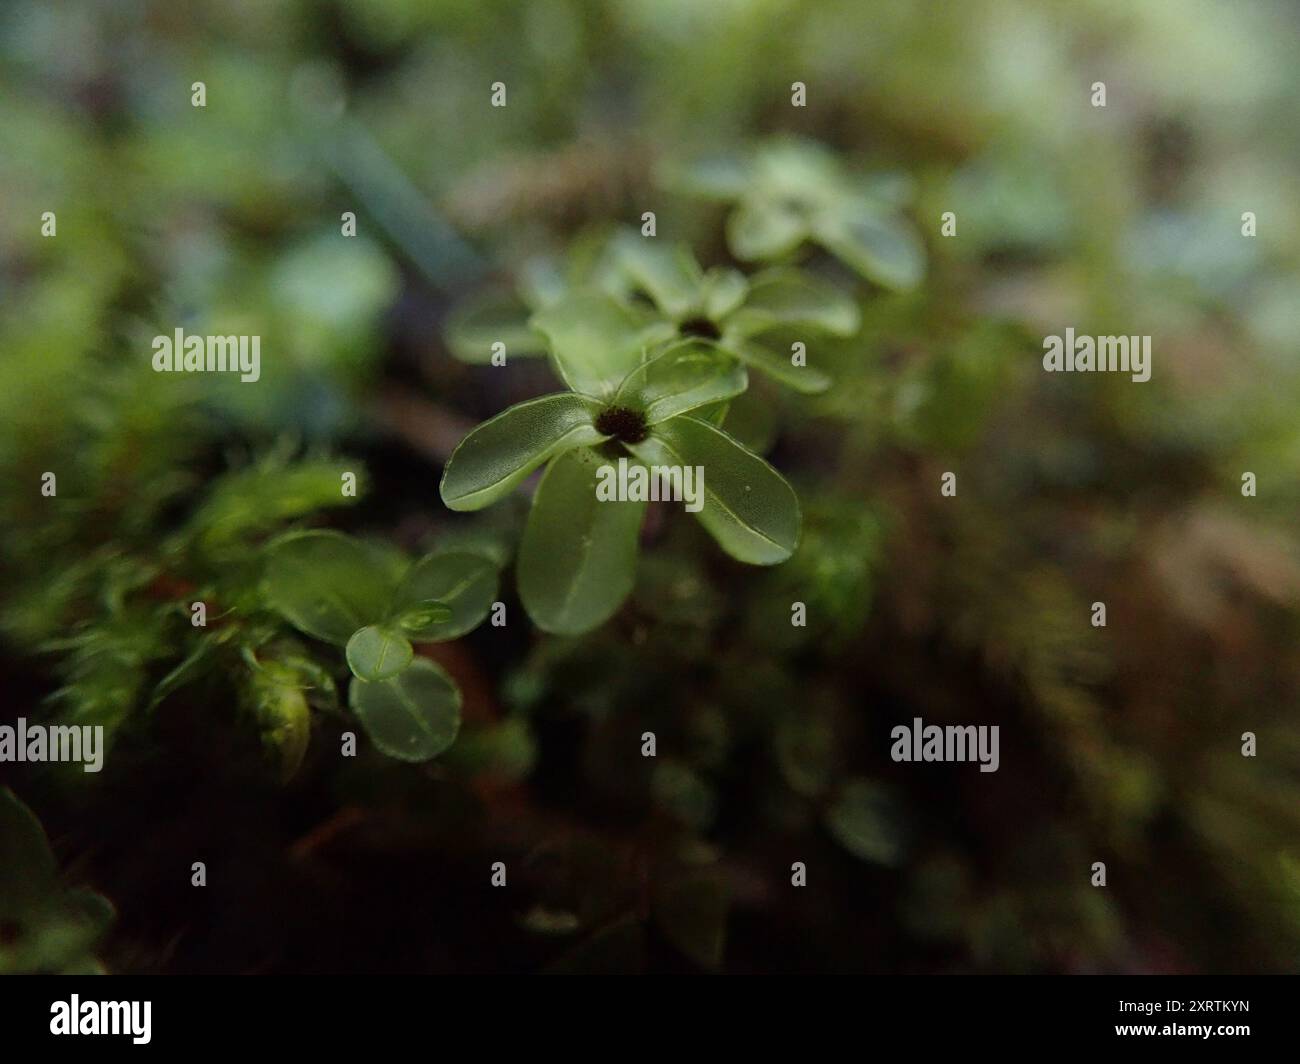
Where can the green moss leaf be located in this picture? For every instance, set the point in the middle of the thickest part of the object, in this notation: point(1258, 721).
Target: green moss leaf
point(498, 455)
point(748, 506)
point(414, 716)
point(577, 561)
point(327, 584)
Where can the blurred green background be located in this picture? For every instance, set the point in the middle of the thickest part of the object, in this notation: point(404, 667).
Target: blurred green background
point(1120, 744)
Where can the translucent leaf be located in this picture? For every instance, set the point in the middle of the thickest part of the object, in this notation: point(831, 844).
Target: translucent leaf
point(327, 584)
point(378, 652)
point(577, 560)
point(668, 273)
point(763, 229)
point(483, 320)
point(803, 378)
point(724, 290)
point(500, 453)
point(464, 583)
point(414, 716)
point(748, 507)
point(597, 341)
point(790, 297)
point(685, 376)
point(881, 249)
point(423, 614)
point(723, 178)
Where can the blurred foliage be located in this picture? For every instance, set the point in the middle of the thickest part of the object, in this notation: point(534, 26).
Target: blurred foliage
point(1120, 744)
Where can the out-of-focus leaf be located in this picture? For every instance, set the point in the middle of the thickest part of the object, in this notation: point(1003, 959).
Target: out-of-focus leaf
point(878, 247)
point(869, 822)
point(805, 379)
point(596, 341)
point(791, 297)
point(490, 318)
point(690, 908)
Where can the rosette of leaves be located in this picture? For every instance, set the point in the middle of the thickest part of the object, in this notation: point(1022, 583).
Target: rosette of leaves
point(723, 307)
point(375, 605)
point(630, 396)
point(720, 306)
point(791, 192)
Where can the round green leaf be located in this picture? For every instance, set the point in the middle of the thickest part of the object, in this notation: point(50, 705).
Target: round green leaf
point(414, 716)
point(377, 652)
point(463, 584)
point(685, 376)
point(577, 560)
point(500, 453)
point(748, 507)
point(327, 584)
point(486, 319)
point(596, 341)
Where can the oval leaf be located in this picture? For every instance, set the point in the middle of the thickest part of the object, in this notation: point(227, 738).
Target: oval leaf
point(881, 249)
point(685, 376)
point(483, 320)
point(498, 455)
point(464, 584)
point(412, 717)
point(804, 379)
point(577, 560)
point(419, 617)
point(327, 584)
point(378, 653)
point(597, 341)
point(762, 229)
point(748, 507)
point(668, 273)
point(789, 297)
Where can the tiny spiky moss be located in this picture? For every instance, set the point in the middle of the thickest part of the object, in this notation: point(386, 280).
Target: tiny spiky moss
point(701, 327)
point(625, 425)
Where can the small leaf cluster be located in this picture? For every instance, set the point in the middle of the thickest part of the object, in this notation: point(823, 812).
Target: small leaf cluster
point(374, 604)
point(652, 348)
